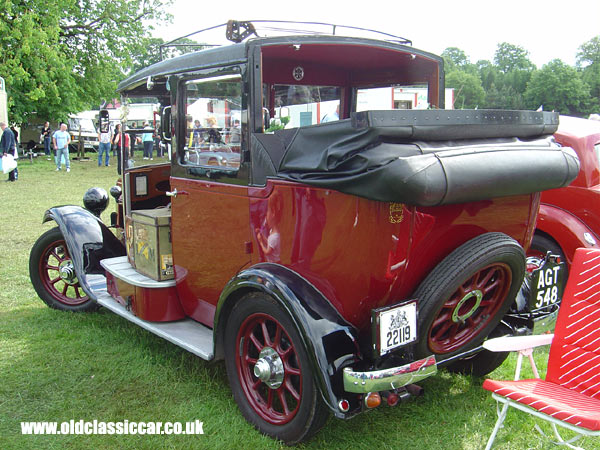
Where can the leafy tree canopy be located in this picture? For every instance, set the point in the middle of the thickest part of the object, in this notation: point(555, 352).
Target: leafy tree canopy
point(468, 92)
point(64, 56)
point(509, 57)
point(558, 87)
point(589, 52)
point(455, 57)
point(150, 53)
point(488, 73)
point(588, 58)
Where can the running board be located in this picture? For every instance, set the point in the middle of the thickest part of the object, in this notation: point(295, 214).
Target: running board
point(187, 333)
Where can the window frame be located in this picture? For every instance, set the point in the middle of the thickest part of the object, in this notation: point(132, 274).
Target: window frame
point(205, 172)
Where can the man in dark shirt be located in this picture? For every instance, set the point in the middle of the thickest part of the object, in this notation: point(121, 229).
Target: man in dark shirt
point(8, 145)
point(47, 139)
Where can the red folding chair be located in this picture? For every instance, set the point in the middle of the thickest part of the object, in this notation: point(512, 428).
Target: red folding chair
point(570, 394)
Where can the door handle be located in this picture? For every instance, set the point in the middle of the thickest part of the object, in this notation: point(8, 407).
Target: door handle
point(174, 193)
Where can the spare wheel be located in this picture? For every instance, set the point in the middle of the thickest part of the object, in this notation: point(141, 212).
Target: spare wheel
point(464, 298)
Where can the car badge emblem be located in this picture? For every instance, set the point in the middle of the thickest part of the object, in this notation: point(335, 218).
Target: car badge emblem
point(396, 212)
point(298, 73)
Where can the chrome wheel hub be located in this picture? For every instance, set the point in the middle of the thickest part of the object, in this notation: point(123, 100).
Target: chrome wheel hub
point(269, 368)
point(477, 295)
point(66, 272)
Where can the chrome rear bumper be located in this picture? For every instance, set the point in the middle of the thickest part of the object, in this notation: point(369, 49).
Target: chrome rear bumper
point(387, 379)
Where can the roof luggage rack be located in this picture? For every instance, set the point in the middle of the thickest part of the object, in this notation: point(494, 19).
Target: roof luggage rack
point(239, 30)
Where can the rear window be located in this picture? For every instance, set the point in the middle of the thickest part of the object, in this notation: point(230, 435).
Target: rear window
point(300, 106)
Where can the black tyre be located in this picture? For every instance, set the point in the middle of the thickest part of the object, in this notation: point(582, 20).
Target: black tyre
point(283, 401)
point(464, 298)
point(53, 275)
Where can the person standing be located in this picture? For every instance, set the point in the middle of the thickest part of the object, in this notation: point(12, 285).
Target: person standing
point(104, 146)
point(156, 137)
point(61, 140)
point(236, 133)
point(16, 152)
point(148, 142)
point(197, 136)
point(117, 141)
point(8, 145)
point(47, 139)
point(133, 138)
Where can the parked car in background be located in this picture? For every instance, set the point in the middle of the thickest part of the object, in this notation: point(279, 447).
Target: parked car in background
point(569, 217)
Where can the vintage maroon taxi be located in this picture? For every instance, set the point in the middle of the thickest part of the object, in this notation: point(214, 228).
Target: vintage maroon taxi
point(334, 262)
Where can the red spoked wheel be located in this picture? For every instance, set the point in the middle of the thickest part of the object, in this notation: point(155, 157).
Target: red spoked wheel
point(269, 371)
point(465, 296)
point(472, 306)
point(53, 275)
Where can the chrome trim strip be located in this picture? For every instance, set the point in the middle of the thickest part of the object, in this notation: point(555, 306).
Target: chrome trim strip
point(386, 379)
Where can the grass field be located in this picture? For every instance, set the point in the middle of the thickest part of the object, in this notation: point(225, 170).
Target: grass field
point(57, 366)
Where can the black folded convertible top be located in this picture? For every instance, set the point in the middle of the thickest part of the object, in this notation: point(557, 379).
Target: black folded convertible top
point(425, 158)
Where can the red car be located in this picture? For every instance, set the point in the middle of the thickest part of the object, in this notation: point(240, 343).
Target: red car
point(569, 217)
point(334, 264)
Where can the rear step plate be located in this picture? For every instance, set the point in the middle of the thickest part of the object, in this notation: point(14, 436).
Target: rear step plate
point(187, 333)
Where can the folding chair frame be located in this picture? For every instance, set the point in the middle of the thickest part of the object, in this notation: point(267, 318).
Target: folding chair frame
point(508, 402)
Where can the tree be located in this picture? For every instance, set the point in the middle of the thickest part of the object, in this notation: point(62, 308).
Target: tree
point(64, 56)
point(514, 66)
point(509, 57)
point(454, 58)
point(558, 87)
point(488, 73)
point(588, 61)
point(503, 97)
point(589, 52)
point(151, 53)
point(468, 92)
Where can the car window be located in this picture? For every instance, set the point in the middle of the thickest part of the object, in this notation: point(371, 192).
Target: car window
point(299, 106)
point(213, 122)
point(597, 150)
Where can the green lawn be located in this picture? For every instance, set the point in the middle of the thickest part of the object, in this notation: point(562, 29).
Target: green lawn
point(57, 366)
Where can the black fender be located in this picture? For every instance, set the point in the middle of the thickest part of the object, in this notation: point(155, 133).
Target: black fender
point(88, 240)
point(330, 341)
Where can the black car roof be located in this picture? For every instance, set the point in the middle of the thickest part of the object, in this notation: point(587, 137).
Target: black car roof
point(234, 53)
point(237, 53)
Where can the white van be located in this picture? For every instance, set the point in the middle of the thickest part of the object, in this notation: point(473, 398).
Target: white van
point(83, 124)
